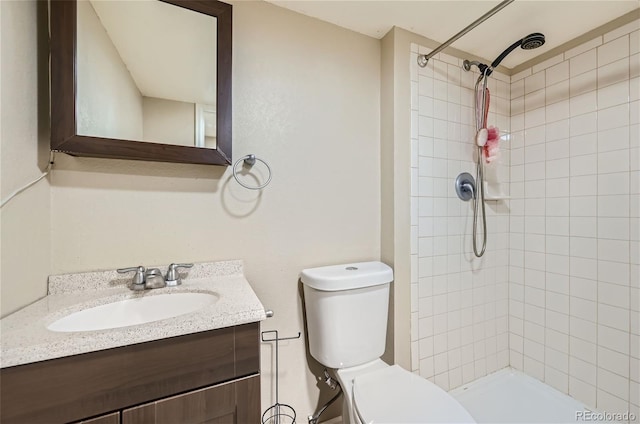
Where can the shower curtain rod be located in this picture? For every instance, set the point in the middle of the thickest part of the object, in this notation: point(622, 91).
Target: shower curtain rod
point(423, 59)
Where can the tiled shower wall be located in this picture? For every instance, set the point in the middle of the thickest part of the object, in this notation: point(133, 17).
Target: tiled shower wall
point(569, 238)
point(459, 326)
point(574, 291)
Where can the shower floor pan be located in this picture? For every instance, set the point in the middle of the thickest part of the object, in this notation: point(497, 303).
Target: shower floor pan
point(509, 396)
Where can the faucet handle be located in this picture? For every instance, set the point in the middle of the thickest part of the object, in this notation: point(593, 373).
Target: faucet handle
point(138, 278)
point(173, 278)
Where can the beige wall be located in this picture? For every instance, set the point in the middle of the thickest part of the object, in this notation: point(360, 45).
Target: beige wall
point(24, 222)
point(168, 121)
point(109, 102)
point(306, 100)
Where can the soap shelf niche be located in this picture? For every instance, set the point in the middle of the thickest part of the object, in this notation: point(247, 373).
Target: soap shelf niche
point(494, 193)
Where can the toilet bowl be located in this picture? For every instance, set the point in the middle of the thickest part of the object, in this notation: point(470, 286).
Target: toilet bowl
point(346, 307)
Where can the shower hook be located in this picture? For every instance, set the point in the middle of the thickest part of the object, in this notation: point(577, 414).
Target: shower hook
point(248, 161)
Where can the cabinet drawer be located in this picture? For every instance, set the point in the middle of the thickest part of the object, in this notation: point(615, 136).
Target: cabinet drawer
point(230, 403)
point(72, 388)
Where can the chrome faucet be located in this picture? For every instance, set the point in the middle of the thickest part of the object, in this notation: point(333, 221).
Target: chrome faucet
point(145, 279)
point(138, 279)
point(153, 279)
point(173, 277)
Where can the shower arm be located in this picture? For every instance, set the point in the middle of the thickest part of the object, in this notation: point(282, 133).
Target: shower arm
point(423, 59)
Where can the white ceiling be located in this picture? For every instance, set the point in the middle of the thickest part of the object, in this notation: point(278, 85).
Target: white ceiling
point(168, 50)
point(560, 21)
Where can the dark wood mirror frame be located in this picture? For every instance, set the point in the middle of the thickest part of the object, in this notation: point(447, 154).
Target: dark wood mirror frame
point(64, 137)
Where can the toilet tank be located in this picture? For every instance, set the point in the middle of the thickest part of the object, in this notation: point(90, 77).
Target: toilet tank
point(346, 308)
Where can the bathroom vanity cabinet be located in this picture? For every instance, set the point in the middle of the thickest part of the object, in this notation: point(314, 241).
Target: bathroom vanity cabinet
point(211, 376)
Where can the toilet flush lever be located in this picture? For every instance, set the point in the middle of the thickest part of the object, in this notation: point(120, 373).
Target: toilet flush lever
point(173, 277)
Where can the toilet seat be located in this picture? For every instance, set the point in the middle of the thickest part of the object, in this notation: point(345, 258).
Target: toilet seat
point(414, 399)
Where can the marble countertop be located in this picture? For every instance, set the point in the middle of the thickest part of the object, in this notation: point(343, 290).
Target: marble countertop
point(26, 339)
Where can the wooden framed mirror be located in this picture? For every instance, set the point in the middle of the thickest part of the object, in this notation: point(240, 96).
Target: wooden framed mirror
point(141, 110)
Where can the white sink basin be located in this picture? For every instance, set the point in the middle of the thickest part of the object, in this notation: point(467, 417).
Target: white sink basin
point(137, 311)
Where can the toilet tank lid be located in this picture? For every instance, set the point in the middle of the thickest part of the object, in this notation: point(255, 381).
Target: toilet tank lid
point(347, 276)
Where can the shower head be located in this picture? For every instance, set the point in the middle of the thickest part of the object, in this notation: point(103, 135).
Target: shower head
point(531, 41)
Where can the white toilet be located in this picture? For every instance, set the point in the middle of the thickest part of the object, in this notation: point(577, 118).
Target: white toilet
point(346, 308)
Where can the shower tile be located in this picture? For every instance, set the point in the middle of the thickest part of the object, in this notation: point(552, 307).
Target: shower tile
point(614, 139)
point(613, 317)
point(557, 92)
point(557, 73)
point(425, 86)
point(583, 165)
point(613, 117)
point(585, 185)
point(583, 83)
point(557, 283)
point(585, 350)
point(557, 264)
point(558, 340)
point(535, 135)
point(440, 89)
point(453, 75)
point(584, 371)
point(613, 250)
point(591, 44)
point(534, 82)
point(556, 379)
point(613, 206)
point(557, 206)
point(613, 95)
point(613, 384)
point(620, 31)
point(583, 309)
point(517, 89)
point(534, 100)
point(613, 228)
point(613, 361)
point(583, 124)
point(535, 153)
point(583, 267)
point(558, 130)
point(547, 64)
point(634, 42)
point(584, 103)
point(613, 339)
point(534, 368)
point(613, 272)
point(534, 118)
point(583, 247)
point(585, 393)
point(584, 144)
point(582, 63)
point(557, 168)
point(584, 226)
point(427, 367)
point(583, 329)
point(583, 288)
point(612, 73)
point(440, 70)
point(558, 111)
point(613, 50)
point(583, 206)
point(520, 75)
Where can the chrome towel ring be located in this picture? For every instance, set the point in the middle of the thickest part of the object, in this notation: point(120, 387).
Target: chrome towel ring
point(249, 161)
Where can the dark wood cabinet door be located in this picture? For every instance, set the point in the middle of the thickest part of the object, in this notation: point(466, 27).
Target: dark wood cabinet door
point(236, 402)
point(113, 418)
